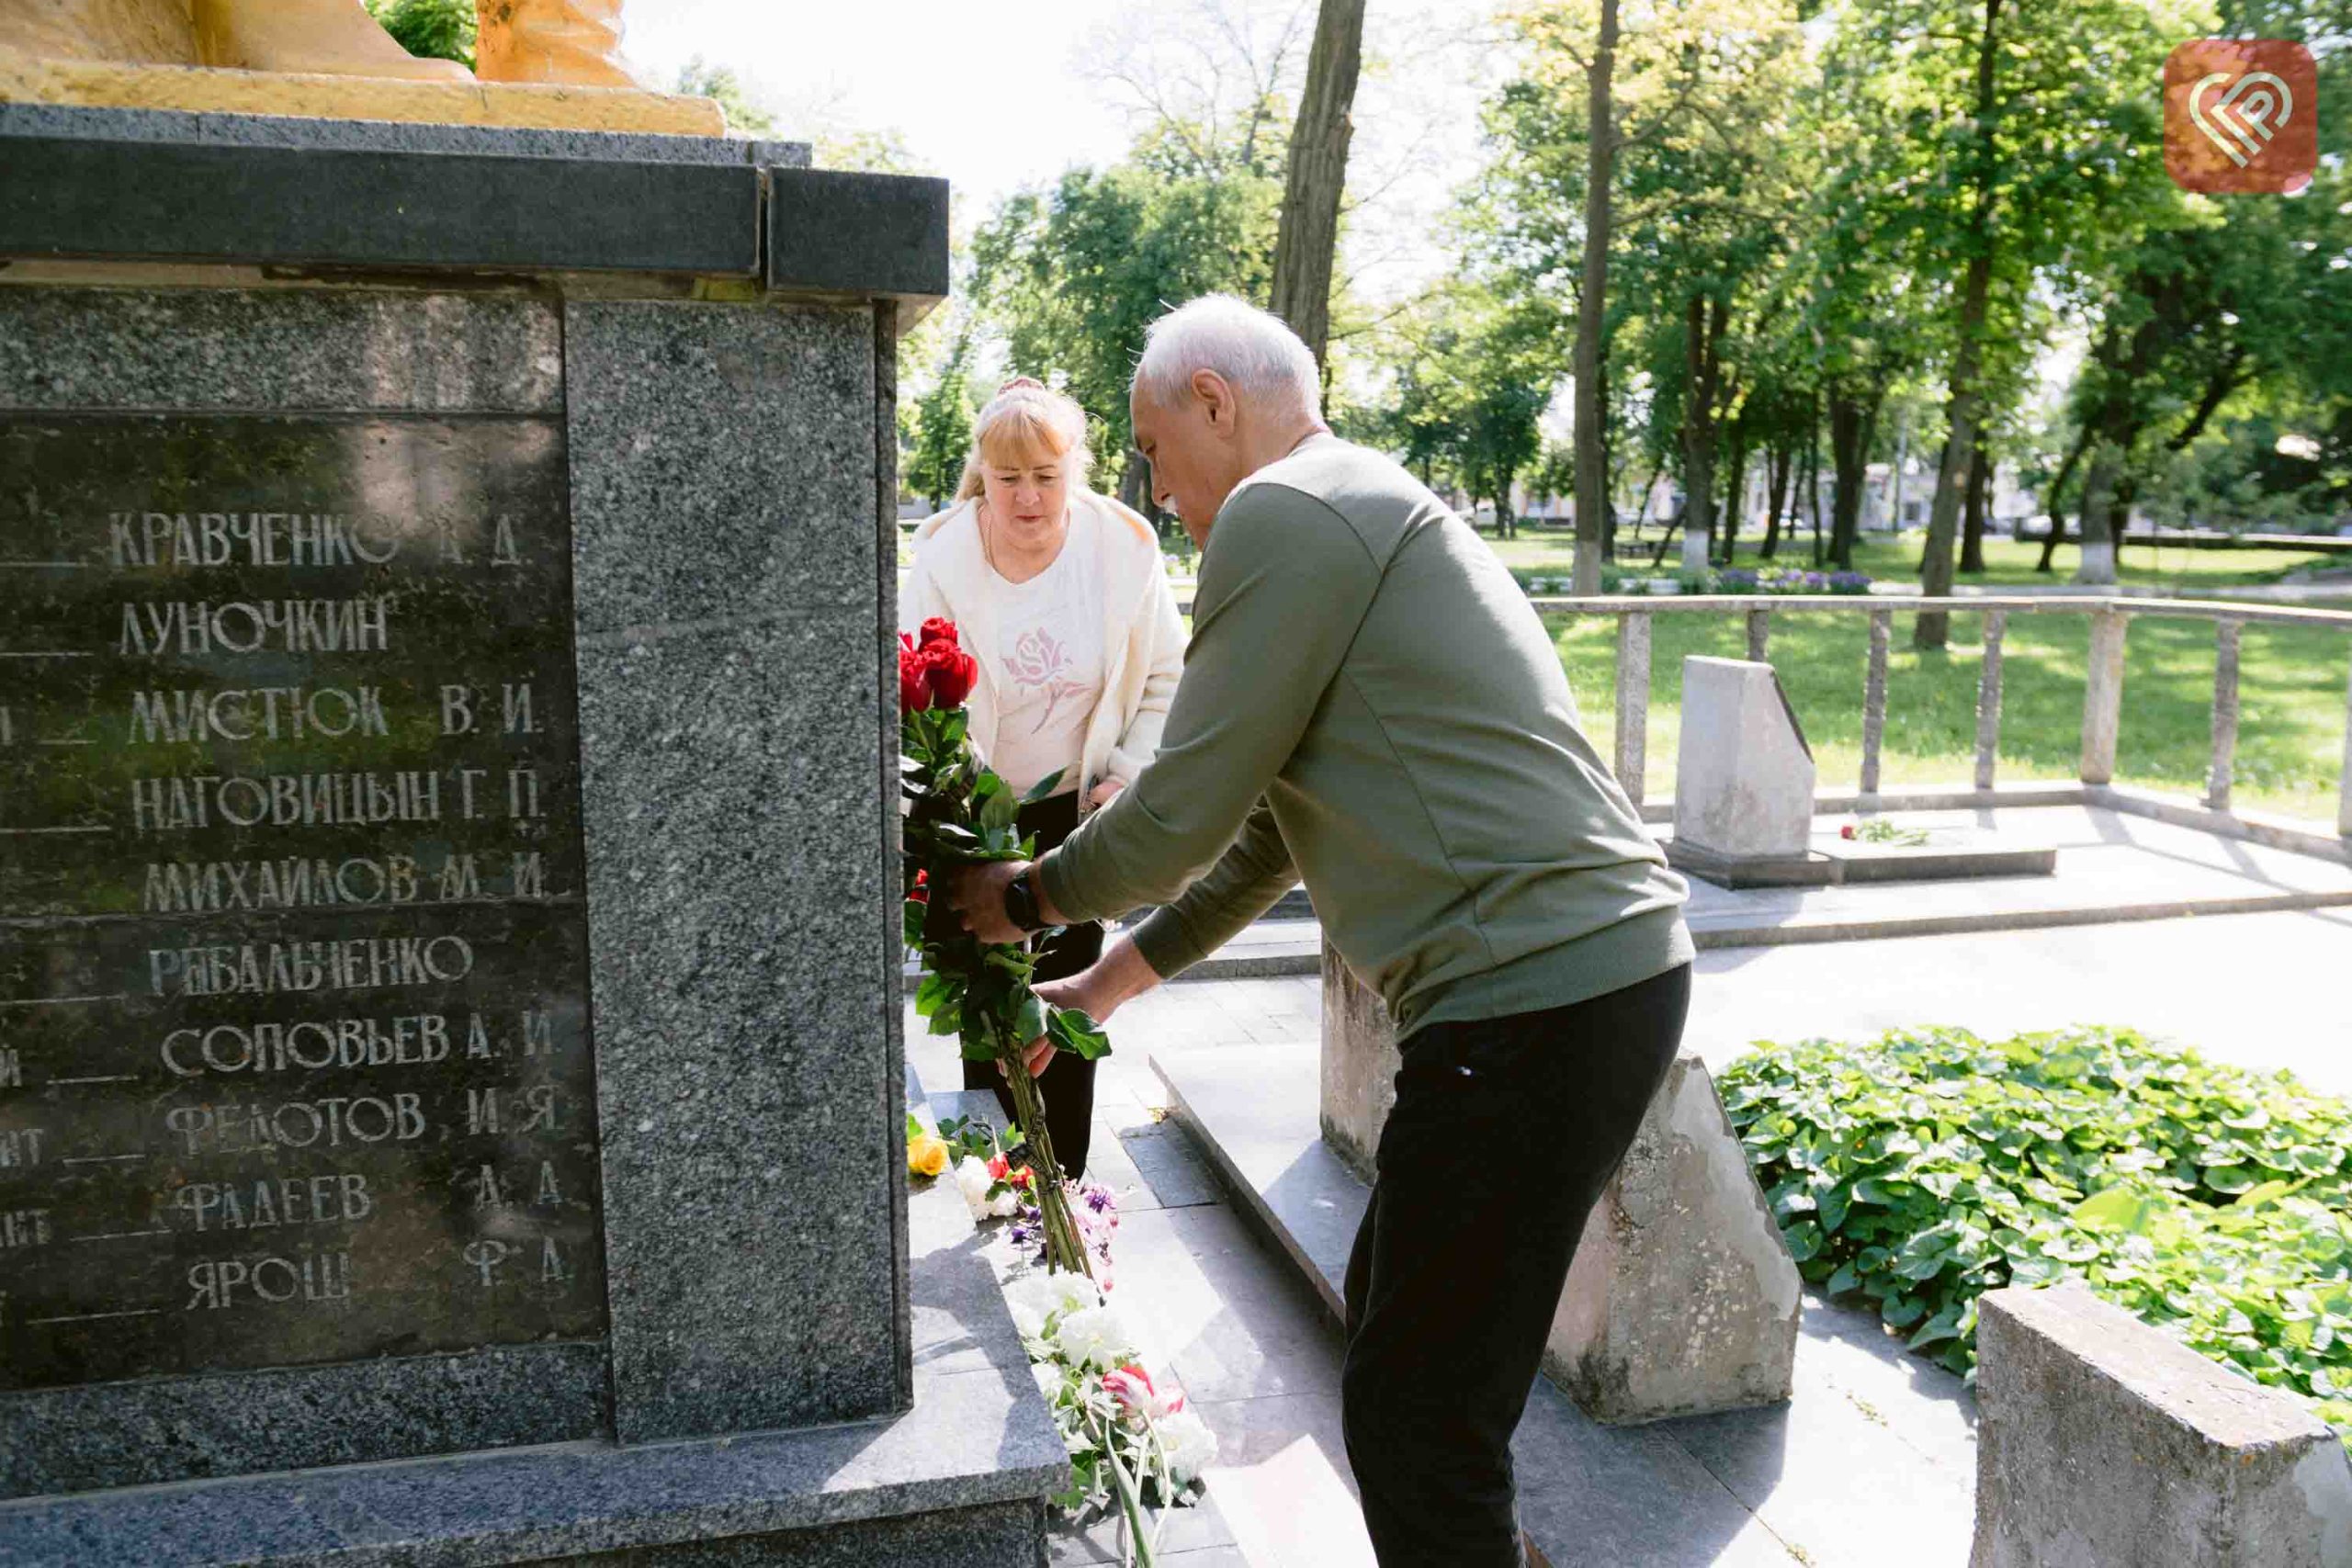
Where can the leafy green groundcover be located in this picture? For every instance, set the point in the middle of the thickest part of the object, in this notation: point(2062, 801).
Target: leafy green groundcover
point(1928, 1167)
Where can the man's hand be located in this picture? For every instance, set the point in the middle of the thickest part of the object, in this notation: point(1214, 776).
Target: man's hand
point(1120, 974)
point(977, 894)
point(1102, 795)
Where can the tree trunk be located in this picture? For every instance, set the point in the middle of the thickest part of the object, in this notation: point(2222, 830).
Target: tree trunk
point(1319, 174)
point(1592, 304)
point(1971, 533)
point(1702, 365)
point(1812, 477)
point(1901, 462)
point(1780, 473)
point(1735, 483)
point(2099, 505)
point(1135, 486)
point(2053, 500)
point(1850, 423)
point(1965, 405)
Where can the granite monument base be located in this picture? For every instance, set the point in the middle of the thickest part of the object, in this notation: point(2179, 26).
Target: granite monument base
point(450, 1090)
point(1833, 863)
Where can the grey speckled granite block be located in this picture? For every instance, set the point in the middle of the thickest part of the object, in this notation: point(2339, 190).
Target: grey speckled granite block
point(958, 1479)
point(722, 461)
point(163, 1429)
point(262, 350)
point(732, 734)
point(388, 136)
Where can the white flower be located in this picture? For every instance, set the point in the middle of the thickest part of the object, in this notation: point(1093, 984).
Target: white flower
point(1005, 1203)
point(973, 1181)
point(1037, 1296)
point(1049, 1379)
point(1094, 1336)
point(1190, 1445)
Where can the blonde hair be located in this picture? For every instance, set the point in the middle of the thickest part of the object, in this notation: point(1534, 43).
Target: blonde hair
point(1027, 423)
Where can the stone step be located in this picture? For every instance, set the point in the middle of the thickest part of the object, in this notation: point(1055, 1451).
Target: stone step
point(1876, 1444)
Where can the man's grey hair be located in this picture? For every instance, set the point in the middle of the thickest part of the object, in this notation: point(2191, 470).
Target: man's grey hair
point(1261, 359)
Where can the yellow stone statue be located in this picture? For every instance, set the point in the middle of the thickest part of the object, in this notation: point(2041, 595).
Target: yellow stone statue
point(538, 63)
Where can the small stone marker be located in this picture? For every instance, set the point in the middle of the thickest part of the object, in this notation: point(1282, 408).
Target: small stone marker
point(2104, 1442)
point(1682, 1298)
point(1744, 775)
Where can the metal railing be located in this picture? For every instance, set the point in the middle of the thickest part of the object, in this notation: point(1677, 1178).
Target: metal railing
point(2110, 621)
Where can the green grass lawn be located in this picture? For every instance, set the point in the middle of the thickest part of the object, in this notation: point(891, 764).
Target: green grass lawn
point(2009, 562)
point(2290, 732)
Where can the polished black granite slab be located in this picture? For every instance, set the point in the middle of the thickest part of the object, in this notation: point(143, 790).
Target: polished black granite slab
point(294, 1056)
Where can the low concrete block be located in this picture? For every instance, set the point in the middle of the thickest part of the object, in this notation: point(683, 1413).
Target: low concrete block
point(1743, 776)
point(1682, 1299)
point(1360, 1063)
point(2104, 1442)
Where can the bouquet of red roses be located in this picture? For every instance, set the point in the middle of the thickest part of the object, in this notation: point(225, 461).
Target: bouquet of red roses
point(958, 814)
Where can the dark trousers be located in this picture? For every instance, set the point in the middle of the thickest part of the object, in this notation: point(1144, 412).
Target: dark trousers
point(1067, 1086)
point(1505, 1133)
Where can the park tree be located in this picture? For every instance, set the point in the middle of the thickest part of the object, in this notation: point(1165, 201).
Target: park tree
point(2026, 129)
point(746, 115)
point(1316, 175)
point(938, 435)
point(1067, 277)
point(1472, 371)
point(1602, 84)
point(1071, 277)
point(430, 29)
point(2220, 302)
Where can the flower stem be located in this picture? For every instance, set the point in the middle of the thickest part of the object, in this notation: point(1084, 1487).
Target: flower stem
point(1064, 1250)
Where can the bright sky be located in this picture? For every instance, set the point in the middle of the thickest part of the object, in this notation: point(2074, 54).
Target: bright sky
point(997, 96)
point(987, 104)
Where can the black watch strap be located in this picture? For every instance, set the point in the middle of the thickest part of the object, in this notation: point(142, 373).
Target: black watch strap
point(1021, 902)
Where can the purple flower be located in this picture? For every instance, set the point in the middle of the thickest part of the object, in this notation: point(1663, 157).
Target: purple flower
point(1099, 1198)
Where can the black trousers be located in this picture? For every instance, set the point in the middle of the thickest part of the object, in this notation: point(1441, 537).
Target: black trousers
point(1505, 1133)
point(1067, 1086)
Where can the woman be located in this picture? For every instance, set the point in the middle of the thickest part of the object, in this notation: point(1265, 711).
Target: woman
point(1059, 594)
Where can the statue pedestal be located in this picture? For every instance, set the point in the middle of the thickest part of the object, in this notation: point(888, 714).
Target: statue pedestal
point(451, 616)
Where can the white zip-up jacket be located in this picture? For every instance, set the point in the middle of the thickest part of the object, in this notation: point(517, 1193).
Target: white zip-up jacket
point(1143, 635)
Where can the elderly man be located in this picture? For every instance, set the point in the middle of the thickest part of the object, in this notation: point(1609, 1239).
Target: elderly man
point(1369, 704)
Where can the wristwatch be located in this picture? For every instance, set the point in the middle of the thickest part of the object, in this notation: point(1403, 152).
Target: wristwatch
point(1021, 902)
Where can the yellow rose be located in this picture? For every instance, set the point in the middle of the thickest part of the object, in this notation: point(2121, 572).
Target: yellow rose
point(926, 1155)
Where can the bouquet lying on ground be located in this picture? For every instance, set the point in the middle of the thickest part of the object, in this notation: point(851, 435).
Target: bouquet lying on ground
point(1133, 1446)
point(960, 813)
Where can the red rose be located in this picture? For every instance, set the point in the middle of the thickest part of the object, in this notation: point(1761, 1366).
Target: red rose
point(951, 673)
point(921, 893)
point(998, 1167)
point(938, 629)
point(914, 686)
point(1847, 831)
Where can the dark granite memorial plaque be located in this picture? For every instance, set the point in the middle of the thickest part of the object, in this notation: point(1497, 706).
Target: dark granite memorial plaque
point(294, 1056)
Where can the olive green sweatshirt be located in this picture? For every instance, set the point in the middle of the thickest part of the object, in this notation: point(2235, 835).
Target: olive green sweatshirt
point(1371, 705)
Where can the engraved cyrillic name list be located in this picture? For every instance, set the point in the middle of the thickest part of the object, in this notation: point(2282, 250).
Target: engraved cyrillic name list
point(294, 1056)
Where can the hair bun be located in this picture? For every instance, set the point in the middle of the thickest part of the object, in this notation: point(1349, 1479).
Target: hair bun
point(1018, 382)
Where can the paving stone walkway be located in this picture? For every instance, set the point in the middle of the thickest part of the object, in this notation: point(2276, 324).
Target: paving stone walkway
point(1878, 1448)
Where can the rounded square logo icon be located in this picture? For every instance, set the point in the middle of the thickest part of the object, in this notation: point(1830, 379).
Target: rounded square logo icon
point(2241, 115)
